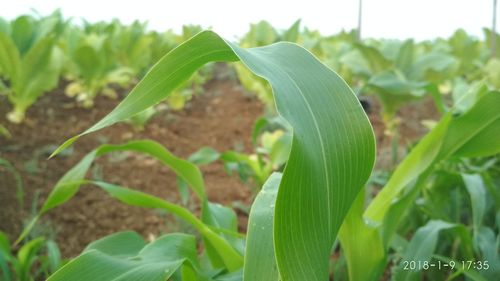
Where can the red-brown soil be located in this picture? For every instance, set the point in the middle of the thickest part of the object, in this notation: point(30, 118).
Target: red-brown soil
point(222, 118)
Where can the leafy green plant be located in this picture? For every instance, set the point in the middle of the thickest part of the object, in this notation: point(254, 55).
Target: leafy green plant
point(92, 67)
point(471, 133)
point(37, 258)
point(132, 46)
point(399, 72)
point(5, 164)
point(331, 157)
point(260, 34)
point(29, 61)
point(295, 218)
point(272, 140)
point(140, 120)
point(4, 132)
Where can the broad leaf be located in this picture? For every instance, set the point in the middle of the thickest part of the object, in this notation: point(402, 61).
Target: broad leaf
point(260, 260)
point(157, 261)
point(333, 145)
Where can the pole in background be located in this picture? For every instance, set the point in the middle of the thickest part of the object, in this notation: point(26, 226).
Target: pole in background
point(493, 31)
point(360, 11)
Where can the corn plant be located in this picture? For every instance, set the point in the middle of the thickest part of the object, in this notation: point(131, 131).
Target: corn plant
point(295, 219)
point(164, 43)
point(271, 138)
point(331, 158)
point(473, 132)
point(442, 216)
point(37, 258)
point(29, 61)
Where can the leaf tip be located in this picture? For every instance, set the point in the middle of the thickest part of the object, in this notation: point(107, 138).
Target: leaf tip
point(63, 146)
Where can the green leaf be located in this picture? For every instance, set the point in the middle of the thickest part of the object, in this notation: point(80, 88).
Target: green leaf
point(10, 58)
point(22, 33)
point(223, 220)
point(423, 244)
point(260, 260)
point(88, 62)
point(333, 147)
point(5, 256)
point(184, 169)
point(453, 136)
point(69, 184)
point(26, 257)
point(361, 244)
point(231, 259)
point(477, 192)
point(53, 256)
point(121, 244)
point(377, 62)
point(432, 66)
point(292, 33)
point(488, 245)
point(40, 72)
point(470, 134)
point(204, 156)
point(405, 56)
point(155, 261)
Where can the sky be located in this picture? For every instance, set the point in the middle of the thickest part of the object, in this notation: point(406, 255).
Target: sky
point(420, 19)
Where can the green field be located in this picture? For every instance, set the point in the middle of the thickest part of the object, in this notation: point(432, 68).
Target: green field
point(132, 154)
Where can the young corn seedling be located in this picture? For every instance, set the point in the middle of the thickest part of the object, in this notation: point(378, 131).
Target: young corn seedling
point(331, 158)
point(271, 138)
point(37, 258)
point(29, 61)
point(367, 234)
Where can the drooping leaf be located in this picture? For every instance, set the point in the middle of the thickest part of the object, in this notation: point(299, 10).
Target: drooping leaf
point(155, 261)
point(260, 260)
point(477, 192)
point(474, 133)
point(423, 244)
point(332, 149)
point(229, 257)
point(121, 244)
point(361, 244)
point(204, 156)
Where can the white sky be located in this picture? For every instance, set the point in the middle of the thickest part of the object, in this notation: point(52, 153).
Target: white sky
point(420, 19)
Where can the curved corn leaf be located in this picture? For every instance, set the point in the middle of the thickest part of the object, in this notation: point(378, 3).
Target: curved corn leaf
point(185, 170)
point(260, 261)
point(423, 244)
point(68, 185)
point(107, 260)
point(120, 244)
point(333, 145)
point(477, 192)
point(229, 257)
point(453, 136)
point(475, 133)
point(361, 244)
